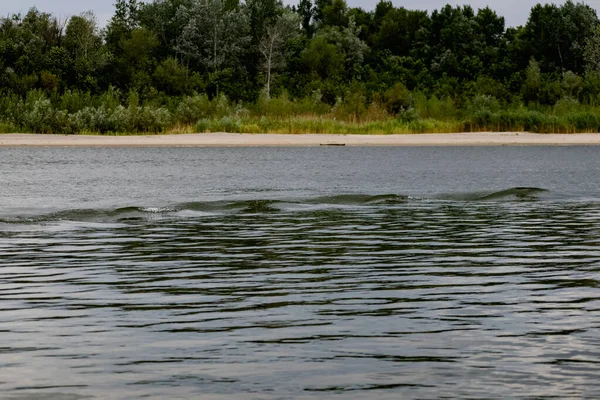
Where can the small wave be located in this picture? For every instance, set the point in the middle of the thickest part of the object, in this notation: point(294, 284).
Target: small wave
point(96, 215)
point(515, 193)
point(158, 210)
point(245, 206)
point(256, 206)
point(358, 199)
point(263, 206)
point(75, 215)
point(20, 220)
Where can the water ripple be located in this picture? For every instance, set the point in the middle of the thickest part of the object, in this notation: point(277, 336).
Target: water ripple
point(348, 296)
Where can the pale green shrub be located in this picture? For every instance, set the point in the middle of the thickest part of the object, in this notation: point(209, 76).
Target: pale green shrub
point(192, 108)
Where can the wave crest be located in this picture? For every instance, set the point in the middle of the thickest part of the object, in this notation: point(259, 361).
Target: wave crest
point(260, 206)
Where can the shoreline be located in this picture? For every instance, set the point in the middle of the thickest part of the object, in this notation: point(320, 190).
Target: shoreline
point(301, 140)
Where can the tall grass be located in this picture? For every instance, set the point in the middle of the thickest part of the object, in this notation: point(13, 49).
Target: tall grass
point(311, 124)
point(535, 121)
point(7, 128)
point(124, 113)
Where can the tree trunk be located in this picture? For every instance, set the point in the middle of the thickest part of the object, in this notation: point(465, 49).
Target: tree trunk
point(269, 67)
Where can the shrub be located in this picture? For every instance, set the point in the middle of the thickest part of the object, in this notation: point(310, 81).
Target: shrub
point(192, 108)
point(220, 106)
point(484, 103)
point(39, 116)
point(73, 101)
point(101, 119)
point(566, 105)
point(434, 107)
point(109, 99)
point(353, 106)
point(266, 124)
point(398, 98)
point(275, 106)
point(407, 115)
point(149, 119)
point(202, 125)
point(226, 124)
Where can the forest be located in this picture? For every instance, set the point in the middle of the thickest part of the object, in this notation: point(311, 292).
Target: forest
point(181, 66)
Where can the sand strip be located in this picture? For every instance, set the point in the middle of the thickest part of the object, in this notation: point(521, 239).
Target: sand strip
point(250, 140)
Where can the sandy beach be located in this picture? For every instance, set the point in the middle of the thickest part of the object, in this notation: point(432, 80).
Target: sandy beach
point(251, 140)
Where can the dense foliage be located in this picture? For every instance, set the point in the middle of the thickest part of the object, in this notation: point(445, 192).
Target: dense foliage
point(183, 65)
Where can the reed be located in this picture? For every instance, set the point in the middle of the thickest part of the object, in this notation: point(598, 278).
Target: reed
point(7, 128)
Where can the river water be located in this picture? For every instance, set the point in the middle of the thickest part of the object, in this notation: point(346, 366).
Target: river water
point(299, 273)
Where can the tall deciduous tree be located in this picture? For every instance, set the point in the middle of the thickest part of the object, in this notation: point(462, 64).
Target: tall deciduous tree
point(556, 35)
point(125, 20)
point(160, 17)
point(592, 53)
point(272, 44)
point(533, 81)
point(214, 36)
point(82, 36)
point(306, 11)
point(83, 43)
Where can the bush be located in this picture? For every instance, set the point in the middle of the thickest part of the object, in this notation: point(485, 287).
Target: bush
point(220, 106)
point(73, 101)
point(266, 124)
point(150, 119)
point(109, 99)
point(122, 119)
point(408, 115)
point(275, 106)
point(398, 98)
point(101, 119)
point(226, 124)
point(193, 108)
point(353, 106)
point(483, 103)
point(202, 126)
point(566, 105)
point(39, 116)
point(434, 107)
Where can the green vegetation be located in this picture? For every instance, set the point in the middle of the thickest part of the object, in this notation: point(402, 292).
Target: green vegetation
point(221, 65)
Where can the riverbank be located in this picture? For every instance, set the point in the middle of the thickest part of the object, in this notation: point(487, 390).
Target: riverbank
point(252, 140)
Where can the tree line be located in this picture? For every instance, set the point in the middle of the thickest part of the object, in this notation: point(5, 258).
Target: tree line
point(390, 62)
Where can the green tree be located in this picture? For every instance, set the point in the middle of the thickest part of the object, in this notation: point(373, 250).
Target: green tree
point(533, 81)
point(83, 43)
point(214, 37)
point(306, 11)
point(122, 23)
point(348, 44)
point(272, 44)
point(592, 53)
point(571, 84)
point(162, 18)
point(175, 79)
point(320, 6)
point(82, 38)
point(323, 58)
point(335, 13)
point(557, 35)
point(397, 29)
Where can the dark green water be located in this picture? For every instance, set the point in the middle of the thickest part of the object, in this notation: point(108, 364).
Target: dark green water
point(321, 273)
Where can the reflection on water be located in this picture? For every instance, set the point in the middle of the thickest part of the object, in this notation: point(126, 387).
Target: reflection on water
point(486, 295)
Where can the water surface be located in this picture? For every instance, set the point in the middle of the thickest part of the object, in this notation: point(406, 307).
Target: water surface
point(319, 273)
